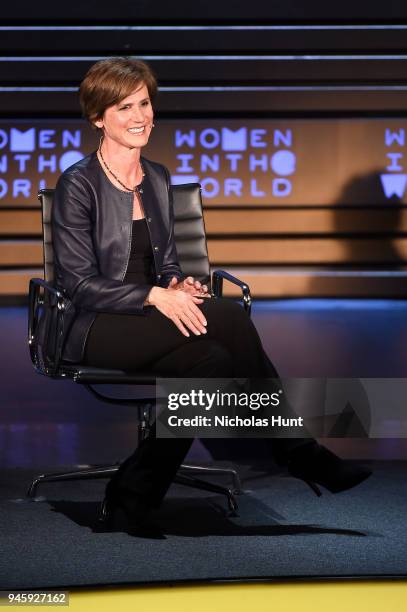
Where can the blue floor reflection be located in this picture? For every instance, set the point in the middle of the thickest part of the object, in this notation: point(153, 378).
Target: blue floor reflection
point(46, 422)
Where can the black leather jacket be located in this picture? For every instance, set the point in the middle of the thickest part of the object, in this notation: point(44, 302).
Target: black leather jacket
point(91, 234)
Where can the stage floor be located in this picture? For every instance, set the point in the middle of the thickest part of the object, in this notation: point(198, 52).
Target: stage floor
point(281, 531)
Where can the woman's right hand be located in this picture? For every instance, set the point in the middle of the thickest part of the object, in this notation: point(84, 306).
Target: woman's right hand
point(180, 307)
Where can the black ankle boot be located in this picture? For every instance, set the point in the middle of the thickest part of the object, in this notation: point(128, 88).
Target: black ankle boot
point(318, 465)
point(126, 513)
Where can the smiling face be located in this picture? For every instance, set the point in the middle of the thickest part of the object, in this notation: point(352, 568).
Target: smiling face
point(129, 123)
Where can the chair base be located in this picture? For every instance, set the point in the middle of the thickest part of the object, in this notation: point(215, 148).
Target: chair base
point(90, 472)
point(106, 471)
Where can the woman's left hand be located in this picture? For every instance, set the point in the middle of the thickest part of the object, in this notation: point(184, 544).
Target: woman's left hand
point(191, 286)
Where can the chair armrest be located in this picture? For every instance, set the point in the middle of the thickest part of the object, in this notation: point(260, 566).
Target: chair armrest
point(42, 295)
point(217, 287)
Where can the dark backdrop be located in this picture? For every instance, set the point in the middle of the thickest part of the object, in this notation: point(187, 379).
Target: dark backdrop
point(186, 11)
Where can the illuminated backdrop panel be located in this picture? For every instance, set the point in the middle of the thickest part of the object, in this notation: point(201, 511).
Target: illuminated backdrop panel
point(238, 162)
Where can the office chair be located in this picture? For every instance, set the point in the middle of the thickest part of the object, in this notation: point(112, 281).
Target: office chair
point(192, 252)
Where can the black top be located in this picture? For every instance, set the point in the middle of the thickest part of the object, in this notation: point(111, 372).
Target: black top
point(140, 268)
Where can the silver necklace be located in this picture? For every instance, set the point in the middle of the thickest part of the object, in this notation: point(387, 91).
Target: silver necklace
point(134, 189)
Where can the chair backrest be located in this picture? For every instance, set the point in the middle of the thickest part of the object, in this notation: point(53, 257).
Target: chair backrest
point(189, 230)
point(46, 197)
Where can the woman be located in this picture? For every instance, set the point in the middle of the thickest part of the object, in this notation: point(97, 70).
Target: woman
point(131, 306)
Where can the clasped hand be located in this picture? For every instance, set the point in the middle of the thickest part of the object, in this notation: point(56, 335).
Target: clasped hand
point(179, 302)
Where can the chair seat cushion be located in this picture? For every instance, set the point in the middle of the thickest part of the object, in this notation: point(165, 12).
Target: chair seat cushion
point(90, 375)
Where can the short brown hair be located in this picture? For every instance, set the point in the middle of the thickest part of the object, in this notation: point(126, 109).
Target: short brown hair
point(111, 80)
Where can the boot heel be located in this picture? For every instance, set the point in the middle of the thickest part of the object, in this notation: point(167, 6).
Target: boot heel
point(314, 487)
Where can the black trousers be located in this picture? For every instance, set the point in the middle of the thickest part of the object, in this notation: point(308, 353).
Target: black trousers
point(231, 348)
